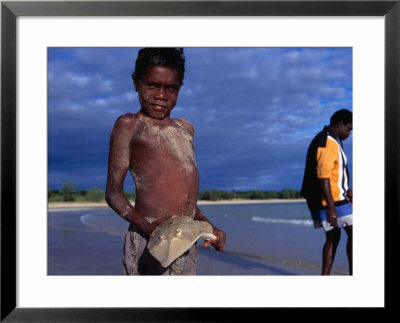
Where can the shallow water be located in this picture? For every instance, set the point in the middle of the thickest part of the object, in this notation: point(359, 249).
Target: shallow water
point(275, 238)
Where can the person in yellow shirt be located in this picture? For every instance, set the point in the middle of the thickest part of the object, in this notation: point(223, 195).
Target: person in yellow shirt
point(326, 186)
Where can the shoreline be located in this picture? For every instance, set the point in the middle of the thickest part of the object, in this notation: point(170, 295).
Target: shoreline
point(84, 204)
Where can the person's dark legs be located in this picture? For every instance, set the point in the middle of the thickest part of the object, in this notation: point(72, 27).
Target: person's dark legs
point(349, 247)
point(329, 250)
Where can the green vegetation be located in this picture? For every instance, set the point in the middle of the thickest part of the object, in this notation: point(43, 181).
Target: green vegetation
point(215, 195)
point(69, 192)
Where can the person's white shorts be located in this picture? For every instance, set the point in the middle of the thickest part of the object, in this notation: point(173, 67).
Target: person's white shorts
point(345, 217)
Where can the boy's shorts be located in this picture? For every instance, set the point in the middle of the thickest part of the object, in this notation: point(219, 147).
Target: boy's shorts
point(137, 259)
point(345, 217)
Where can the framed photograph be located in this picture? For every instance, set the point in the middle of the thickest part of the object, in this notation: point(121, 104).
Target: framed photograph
point(31, 31)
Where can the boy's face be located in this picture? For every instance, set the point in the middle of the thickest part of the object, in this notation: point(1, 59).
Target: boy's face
point(158, 91)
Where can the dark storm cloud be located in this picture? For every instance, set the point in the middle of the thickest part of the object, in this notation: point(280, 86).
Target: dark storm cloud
point(255, 110)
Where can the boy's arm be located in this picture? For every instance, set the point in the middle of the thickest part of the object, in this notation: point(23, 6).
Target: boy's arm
point(118, 165)
point(218, 243)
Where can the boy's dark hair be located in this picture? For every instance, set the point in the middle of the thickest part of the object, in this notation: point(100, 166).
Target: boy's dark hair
point(167, 57)
point(342, 115)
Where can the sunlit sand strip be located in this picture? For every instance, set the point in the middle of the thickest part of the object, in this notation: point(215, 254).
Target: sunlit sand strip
point(243, 201)
point(83, 204)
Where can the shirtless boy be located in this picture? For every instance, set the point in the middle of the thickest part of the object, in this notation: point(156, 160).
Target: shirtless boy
point(158, 151)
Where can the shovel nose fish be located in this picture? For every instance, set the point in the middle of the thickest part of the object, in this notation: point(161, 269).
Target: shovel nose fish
point(170, 240)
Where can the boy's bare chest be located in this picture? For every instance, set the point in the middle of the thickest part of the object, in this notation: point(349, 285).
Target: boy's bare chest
point(156, 143)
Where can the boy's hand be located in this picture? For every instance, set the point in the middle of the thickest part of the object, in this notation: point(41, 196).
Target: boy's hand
point(218, 243)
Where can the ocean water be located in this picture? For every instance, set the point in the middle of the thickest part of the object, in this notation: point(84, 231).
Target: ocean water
point(262, 239)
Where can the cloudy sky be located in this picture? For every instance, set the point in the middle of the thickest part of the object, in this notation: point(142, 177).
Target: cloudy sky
point(255, 111)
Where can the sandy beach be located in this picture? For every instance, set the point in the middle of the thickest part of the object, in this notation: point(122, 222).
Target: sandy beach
point(84, 204)
point(265, 237)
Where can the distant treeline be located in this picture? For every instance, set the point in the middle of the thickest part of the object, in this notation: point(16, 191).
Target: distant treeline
point(70, 192)
point(215, 195)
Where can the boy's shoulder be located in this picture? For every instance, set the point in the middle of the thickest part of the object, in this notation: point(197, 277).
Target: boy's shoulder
point(186, 125)
point(127, 119)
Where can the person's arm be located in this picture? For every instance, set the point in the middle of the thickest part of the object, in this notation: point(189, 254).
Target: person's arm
point(118, 165)
point(218, 243)
point(326, 161)
point(349, 195)
point(326, 191)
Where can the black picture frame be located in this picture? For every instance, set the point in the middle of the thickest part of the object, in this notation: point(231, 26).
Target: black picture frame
point(10, 10)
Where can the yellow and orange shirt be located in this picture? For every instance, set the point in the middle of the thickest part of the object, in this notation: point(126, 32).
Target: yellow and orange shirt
point(325, 159)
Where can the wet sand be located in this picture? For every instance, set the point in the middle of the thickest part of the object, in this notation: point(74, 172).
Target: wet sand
point(76, 249)
point(98, 253)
